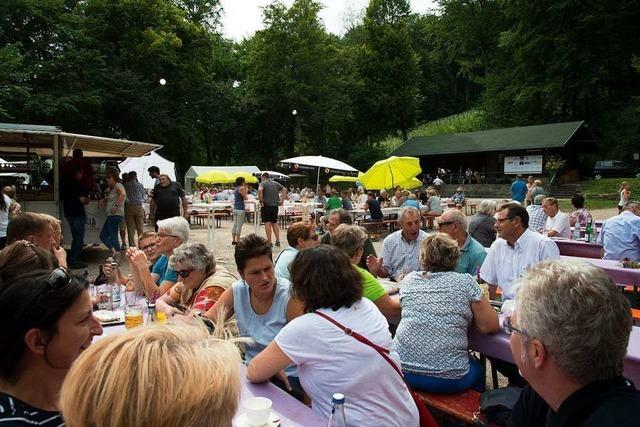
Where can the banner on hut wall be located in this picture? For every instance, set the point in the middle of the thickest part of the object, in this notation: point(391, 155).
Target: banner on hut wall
point(523, 164)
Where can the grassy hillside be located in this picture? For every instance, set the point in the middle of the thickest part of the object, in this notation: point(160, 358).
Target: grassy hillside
point(467, 121)
point(609, 186)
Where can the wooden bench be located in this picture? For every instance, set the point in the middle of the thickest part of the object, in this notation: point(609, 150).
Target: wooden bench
point(429, 220)
point(635, 313)
point(471, 208)
point(378, 225)
point(464, 406)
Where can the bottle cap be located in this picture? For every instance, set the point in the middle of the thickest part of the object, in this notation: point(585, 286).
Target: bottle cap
point(337, 398)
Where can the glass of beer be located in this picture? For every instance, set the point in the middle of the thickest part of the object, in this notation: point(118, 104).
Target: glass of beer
point(133, 316)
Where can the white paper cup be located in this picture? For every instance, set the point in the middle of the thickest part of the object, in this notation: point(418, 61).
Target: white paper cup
point(258, 410)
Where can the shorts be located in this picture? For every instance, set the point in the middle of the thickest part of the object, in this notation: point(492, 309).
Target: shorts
point(269, 214)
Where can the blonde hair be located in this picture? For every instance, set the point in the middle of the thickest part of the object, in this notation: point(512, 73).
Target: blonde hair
point(439, 252)
point(165, 375)
point(350, 238)
point(56, 226)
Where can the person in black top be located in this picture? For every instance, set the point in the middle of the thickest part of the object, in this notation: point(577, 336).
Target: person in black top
point(74, 198)
point(373, 207)
point(569, 337)
point(166, 200)
point(49, 322)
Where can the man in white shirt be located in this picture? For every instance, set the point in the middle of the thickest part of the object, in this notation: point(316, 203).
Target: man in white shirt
point(514, 251)
point(557, 224)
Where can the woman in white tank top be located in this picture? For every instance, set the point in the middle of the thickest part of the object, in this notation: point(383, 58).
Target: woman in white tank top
point(625, 194)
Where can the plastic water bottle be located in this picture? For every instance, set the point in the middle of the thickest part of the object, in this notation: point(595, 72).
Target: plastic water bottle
point(337, 417)
point(576, 231)
point(114, 282)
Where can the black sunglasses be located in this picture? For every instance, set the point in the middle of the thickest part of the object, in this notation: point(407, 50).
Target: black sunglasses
point(57, 281)
point(183, 273)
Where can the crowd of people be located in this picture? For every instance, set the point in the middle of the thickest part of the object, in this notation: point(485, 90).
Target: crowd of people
point(286, 318)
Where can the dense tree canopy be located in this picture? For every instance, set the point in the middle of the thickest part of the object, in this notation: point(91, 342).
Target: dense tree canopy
point(95, 66)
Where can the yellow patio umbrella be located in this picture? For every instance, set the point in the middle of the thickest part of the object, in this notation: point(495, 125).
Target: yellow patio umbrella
point(411, 184)
point(344, 178)
point(214, 177)
point(390, 172)
point(248, 177)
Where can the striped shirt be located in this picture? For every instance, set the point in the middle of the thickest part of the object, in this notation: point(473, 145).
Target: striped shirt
point(14, 412)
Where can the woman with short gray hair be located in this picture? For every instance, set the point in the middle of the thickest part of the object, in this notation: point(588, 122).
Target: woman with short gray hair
point(481, 225)
point(201, 281)
point(438, 306)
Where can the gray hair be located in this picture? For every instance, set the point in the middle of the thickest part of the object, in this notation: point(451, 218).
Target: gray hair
point(349, 238)
point(403, 211)
point(538, 199)
point(488, 207)
point(196, 256)
point(580, 316)
point(457, 216)
point(345, 216)
point(439, 252)
point(176, 226)
point(632, 206)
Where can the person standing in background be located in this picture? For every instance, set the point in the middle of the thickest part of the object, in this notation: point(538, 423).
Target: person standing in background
point(166, 200)
point(74, 198)
point(123, 226)
point(154, 172)
point(518, 189)
point(239, 196)
point(530, 184)
point(133, 211)
point(5, 207)
point(271, 195)
point(625, 195)
point(114, 203)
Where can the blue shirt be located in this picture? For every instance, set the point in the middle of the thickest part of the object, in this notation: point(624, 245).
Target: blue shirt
point(262, 328)
point(472, 255)
point(135, 192)
point(284, 260)
point(620, 237)
point(518, 190)
point(412, 202)
point(162, 269)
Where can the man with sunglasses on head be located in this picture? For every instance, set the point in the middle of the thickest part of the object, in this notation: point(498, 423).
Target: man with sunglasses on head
point(570, 345)
point(35, 228)
point(516, 249)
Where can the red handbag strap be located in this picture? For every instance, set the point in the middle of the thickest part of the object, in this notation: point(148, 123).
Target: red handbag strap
point(381, 350)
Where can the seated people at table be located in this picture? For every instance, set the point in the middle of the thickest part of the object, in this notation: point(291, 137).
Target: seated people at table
point(334, 201)
point(188, 379)
point(516, 249)
point(571, 349)
point(383, 199)
point(172, 232)
point(434, 206)
point(49, 322)
point(482, 225)
point(350, 239)
point(261, 303)
point(299, 236)
point(362, 196)
point(201, 280)
point(438, 306)
point(346, 201)
point(400, 249)
point(328, 359)
point(147, 244)
point(458, 197)
point(36, 228)
point(620, 235)
point(537, 215)
point(411, 200)
point(341, 216)
point(22, 256)
point(581, 215)
point(373, 207)
point(472, 254)
point(557, 224)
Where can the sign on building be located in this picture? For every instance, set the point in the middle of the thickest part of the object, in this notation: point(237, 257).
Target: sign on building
point(523, 164)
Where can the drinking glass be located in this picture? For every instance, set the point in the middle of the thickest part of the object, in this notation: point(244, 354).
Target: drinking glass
point(133, 316)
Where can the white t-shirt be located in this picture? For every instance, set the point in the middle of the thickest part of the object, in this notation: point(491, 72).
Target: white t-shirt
point(560, 223)
point(362, 199)
point(329, 361)
point(504, 264)
point(438, 181)
point(4, 216)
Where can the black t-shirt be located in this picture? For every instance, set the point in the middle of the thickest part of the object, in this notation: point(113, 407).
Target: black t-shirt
point(610, 403)
point(71, 190)
point(168, 200)
point(374, 209)
point(14, 413)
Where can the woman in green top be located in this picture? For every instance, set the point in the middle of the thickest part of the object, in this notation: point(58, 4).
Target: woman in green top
point(351, 238)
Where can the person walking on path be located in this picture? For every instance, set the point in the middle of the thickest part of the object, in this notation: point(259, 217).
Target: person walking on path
point(166, 200)
point(625, 195)
point(133, 211)
point(518, 189)
point(115, 211)
point(271, 195)
point(239, 196)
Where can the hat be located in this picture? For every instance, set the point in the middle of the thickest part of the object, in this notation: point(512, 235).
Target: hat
point(459, 189)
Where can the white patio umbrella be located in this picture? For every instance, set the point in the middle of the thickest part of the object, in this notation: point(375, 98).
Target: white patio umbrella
point(319, 162)
point(274, 175)
point(141, 164)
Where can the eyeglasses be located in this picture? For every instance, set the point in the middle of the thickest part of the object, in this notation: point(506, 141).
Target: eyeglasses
point(509, 328)
point(147, 247)
point(184, 273)
point(57, 281)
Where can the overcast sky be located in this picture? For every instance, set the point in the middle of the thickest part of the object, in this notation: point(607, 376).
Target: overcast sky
point(241, 18)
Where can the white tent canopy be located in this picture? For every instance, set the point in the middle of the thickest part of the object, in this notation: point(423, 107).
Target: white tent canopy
point(195, 171)
point(141, 164)
point(275, 175)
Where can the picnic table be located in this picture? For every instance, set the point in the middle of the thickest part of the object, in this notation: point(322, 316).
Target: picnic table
point(620, 275)
point(211, 208)
point(578, 248)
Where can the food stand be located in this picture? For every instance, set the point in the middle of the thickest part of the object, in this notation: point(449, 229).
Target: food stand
point(26, 148)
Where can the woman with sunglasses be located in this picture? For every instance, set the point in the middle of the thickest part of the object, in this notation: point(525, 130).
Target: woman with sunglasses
point(172, 232)
point(201, 281)
point(21, 256)
point(48, 319)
